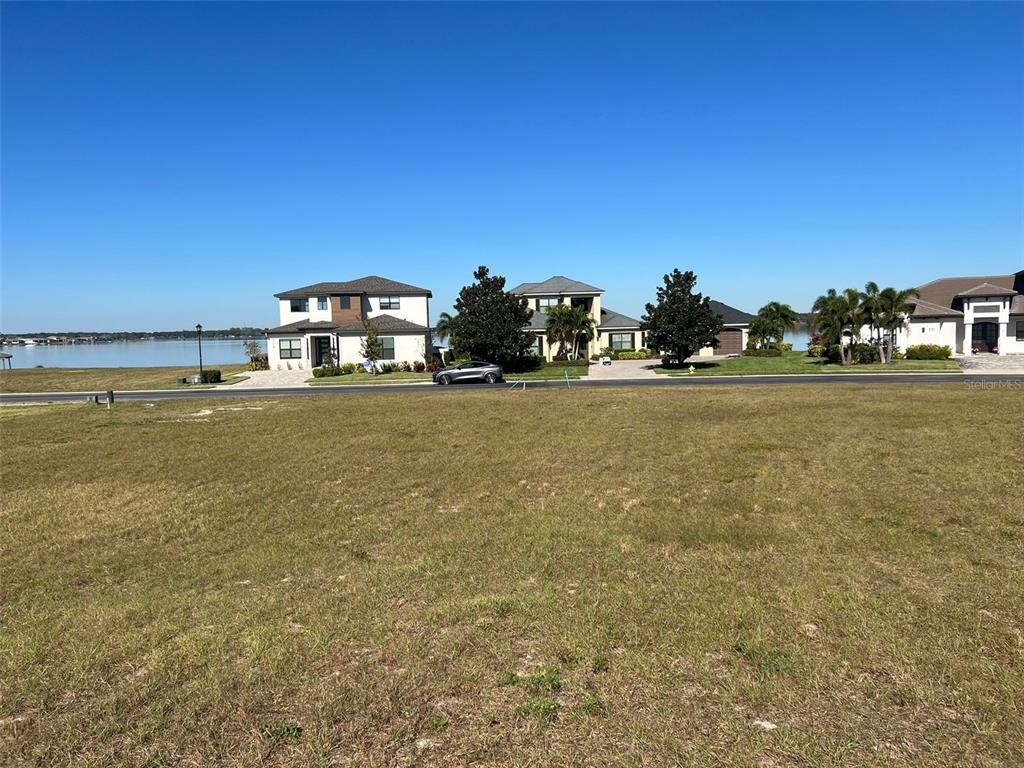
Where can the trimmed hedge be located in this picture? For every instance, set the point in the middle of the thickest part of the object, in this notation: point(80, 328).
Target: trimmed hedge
point(211, 376)
point(928, 352)
point(762, 353)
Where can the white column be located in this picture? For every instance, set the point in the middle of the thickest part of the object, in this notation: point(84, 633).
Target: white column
point(1004, 337)
point(968, 337)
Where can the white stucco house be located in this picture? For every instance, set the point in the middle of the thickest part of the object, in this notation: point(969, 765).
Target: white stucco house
point(329, 319)
point(968, 314)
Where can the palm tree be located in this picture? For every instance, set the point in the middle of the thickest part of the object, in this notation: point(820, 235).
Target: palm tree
point(566, 325)
point(777, 319)
point(837, 314)
point(893, 308)
point(443, 329)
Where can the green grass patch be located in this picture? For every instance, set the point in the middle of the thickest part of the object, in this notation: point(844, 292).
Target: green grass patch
point(799, 362)
point(397, 377)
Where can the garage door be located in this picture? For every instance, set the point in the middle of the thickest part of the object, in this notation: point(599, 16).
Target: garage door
point(730, 342)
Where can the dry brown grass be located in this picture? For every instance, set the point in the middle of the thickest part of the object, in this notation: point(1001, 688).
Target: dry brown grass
point(424, 579)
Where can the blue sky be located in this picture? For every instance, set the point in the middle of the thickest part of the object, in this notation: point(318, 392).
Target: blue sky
point(166, 164)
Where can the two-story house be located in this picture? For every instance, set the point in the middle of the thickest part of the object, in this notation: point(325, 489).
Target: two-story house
point(612, 329)
point(329, 320)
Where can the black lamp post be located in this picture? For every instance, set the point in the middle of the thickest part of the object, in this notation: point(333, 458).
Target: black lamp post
point(199, 335)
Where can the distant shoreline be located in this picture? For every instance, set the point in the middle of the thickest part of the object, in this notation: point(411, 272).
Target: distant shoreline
point(86, 337)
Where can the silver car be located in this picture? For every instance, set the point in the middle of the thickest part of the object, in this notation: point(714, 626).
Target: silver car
point(473, 370)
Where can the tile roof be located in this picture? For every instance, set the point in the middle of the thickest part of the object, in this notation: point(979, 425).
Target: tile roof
point(555, 285)
point(943, 291)
point(371, 284)
point(927, 309)
point(988, 289)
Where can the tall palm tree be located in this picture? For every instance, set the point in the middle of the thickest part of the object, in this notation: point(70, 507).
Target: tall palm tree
point(871, 300)
point(778, 318)
point(443, 329)
point(894, 307)
point(567, 325)
point(835, 315)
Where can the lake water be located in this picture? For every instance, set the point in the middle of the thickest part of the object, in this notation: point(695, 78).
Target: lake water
point(798, 338)
point(129, 354)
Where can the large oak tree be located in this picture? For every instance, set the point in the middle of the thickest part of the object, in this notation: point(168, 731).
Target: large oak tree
point(682, 321)
point(489, 321)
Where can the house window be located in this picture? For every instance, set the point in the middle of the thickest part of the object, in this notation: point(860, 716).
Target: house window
point(345, 302)
point(622, 340)
point(538, 346)
point(300, 305)
point(1020, 330)
point(390, 302)
point(321, 302)
point(291, 349)
point(543, 304)
point(387, 347)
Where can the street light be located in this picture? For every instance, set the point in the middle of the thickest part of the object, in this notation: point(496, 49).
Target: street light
point(199, 335)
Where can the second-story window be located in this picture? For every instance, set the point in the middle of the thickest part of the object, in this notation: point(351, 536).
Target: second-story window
point(390, 302)
point(543, 304)
point(300, 305)
point(321, 302)
point(345, 302)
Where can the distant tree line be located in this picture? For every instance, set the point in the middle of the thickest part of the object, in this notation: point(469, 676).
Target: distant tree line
point(186, 333)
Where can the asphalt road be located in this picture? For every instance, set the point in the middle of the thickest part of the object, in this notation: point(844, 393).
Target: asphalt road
point(1014, 380)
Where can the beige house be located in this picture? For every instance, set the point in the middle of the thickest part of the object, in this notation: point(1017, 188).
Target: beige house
point(612, 329)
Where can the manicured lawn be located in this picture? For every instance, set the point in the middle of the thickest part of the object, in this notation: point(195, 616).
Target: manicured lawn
point(539, 578)
point(366, 378)
point(102, 379)
point(798, 362)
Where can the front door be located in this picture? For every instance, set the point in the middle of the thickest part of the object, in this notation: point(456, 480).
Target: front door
point(321, 350)
point(985, 337)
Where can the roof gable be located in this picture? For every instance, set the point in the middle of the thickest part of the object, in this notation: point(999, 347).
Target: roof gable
point(731, 315)
point(372, 284)
point(555, 285)
point(988, 289)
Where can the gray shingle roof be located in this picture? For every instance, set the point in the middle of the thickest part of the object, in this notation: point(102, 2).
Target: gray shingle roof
point(303, 325)
point(373, 284)
point(384, 323)
point(612, 319)
point(731, 315)
point(553, 286)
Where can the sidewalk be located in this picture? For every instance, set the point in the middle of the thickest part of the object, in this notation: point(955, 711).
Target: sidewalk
point(269, 379)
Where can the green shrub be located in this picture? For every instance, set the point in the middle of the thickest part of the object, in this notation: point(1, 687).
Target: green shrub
point(762, 352)
point(348, 368)
point(817, 350)
point(258, 362)
point(326, 370)
point(928, 352)
point(635, 354)
point(522, 364)
point(785, 347)
point(865, 354)
point(211, 376)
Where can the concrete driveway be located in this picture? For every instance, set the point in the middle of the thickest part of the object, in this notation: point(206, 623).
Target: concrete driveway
point(271, 379)
point(624, 369)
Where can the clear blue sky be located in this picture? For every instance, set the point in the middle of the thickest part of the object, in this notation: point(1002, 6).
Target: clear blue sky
point(167, 164)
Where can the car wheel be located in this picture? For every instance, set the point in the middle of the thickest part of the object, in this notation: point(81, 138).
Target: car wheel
point(490, 378)
point(444, 379)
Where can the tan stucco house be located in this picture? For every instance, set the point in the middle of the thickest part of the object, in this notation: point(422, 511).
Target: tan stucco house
point(612, 329)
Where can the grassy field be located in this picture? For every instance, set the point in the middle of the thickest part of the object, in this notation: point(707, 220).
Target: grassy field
point(540, 578)
point(799, 362)
point(102, 379)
